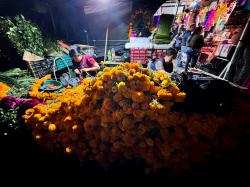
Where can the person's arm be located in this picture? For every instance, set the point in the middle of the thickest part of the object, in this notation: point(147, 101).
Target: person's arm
point(149, 65)
point(95, 67)
point(94, 64)
point(65, 46)
point(159, 65)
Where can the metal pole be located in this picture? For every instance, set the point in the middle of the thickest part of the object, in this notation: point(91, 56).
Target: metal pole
point(87, 37)
point(106, 44)
point(240, 44)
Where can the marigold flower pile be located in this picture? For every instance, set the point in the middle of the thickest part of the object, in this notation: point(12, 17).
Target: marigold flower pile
point(122, 114)
point(4, 89)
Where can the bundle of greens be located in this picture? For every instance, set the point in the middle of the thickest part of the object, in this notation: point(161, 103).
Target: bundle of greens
point(19, 80)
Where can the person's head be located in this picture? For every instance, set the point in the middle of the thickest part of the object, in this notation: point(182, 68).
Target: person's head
point(171, 52)
point(198, 30)
point(75, 53)
point(158, 55)
point(192, 27)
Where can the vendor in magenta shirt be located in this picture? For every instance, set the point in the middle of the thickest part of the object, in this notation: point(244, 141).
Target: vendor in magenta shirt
point(83, 63)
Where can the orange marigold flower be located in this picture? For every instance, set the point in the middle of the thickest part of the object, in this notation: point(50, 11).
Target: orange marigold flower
point(106, 69)
point(165, 95)
point(174, 89)
point(4, 89)
point(139, 114)
point(180, 97)
point(138, 97)
point(154, 89)
point(127, 123)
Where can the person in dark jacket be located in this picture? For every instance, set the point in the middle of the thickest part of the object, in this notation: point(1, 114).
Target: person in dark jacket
point(194, 44)
point(186, 35)
point(171, 54)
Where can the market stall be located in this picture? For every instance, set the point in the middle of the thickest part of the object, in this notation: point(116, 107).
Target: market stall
point(124, 114)
point(223, 23)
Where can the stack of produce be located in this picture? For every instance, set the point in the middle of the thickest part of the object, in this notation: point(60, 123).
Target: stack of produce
point(122, 114)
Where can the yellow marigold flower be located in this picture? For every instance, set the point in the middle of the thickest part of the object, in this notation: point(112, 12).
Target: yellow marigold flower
point(38, 137)
point(162, 78)
point(132, 71)
point(137, 75)
point(114, 89)
point(158, 75)
point(41, 119)
point(75, 127)
point(68, 150)
point(121, 84)
point(160, 106)
point(52, 127)
point(37, 116)
point(155, 105)
point(164, 83)
point(130, 78)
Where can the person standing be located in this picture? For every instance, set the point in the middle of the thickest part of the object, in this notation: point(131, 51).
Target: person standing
point(185, 37)
point(194, 44)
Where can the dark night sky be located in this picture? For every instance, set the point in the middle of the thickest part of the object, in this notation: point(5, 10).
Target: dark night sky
point(72, 17)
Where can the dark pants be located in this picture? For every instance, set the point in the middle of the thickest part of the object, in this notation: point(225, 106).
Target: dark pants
point(192, 54)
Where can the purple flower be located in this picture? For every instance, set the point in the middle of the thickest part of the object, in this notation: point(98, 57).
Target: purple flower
point(14, 102)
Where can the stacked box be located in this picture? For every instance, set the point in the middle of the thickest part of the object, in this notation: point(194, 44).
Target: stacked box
point(138, 55)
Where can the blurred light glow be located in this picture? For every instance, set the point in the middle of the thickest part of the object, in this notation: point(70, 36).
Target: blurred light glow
point(104, 1)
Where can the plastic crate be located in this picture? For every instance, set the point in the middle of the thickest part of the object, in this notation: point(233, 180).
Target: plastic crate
point(138, 55)
point(63, 62)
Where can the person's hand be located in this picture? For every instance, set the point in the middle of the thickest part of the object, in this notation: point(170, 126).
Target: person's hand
point(84, 70)
point(77, 71)
point(168, 59)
